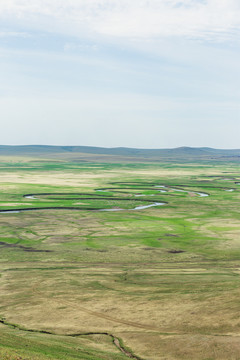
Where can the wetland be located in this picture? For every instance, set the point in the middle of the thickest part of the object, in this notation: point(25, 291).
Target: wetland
point(116, 260)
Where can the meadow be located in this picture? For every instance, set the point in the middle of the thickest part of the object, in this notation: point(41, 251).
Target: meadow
point(87, 274)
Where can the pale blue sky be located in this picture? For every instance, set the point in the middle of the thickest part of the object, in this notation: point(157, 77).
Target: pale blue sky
point(146, 73)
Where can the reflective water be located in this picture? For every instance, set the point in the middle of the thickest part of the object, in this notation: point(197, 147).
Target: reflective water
point(137, 207)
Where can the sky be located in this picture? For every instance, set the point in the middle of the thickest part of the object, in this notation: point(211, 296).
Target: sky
point(139, 73)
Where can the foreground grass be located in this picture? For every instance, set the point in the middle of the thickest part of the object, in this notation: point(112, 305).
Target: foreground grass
point(16, 345)
point(165, 280)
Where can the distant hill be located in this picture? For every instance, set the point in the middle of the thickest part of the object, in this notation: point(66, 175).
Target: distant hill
point(89, 153)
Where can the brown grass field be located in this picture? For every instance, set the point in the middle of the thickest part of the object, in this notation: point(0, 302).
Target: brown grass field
point(163, 280)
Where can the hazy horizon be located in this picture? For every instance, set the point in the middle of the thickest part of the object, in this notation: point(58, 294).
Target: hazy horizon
point(149, 74)
point(123, 147)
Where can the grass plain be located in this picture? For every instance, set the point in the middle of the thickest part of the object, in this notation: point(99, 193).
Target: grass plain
point(158, 283)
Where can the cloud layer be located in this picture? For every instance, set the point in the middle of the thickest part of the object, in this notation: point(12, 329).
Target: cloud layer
point(211, 20)
point(143, 73)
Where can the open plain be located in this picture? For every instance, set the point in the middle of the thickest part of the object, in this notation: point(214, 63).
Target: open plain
point(117, 260)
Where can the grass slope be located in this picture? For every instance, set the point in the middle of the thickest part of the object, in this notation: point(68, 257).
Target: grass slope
point(164, 280)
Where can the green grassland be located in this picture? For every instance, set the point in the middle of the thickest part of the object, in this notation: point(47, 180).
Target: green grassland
point(77, 282)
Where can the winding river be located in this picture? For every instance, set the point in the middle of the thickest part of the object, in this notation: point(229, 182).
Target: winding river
point(201, 194)
point(150, 203)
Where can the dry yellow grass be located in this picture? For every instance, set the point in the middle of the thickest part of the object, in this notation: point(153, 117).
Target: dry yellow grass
point(71, 305)
point(105, 275)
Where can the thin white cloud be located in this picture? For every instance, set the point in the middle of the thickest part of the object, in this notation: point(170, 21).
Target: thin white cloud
point(214, 20)
point(6, 34)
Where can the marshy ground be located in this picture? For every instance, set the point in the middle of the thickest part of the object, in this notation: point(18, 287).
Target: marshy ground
point(154, 283)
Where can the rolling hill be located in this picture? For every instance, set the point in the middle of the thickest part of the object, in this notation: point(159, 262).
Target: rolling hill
point(86, 153)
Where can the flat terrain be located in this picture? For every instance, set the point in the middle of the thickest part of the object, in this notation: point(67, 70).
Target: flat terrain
point(79, 281)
